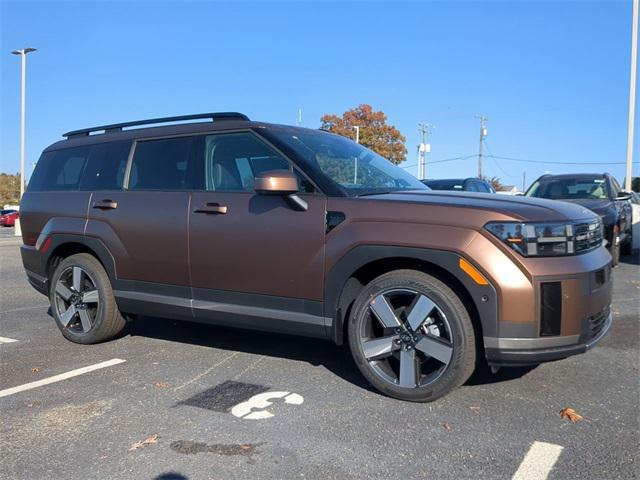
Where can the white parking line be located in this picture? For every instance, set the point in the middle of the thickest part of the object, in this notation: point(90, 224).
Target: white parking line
point(7, 340)
point(58, 378)
point(538, 461)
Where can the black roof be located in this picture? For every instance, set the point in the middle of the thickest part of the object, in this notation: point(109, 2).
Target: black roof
point(115, 132)
point(548, 176)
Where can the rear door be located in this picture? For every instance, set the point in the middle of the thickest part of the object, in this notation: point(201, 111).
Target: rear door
point(144, 224)
point(261, 258)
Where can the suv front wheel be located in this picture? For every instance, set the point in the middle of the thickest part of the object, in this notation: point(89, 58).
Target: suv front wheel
point(82, 300)
point(411, 336)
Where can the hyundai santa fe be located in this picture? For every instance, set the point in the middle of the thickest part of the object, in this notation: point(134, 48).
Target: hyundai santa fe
point(247, 224)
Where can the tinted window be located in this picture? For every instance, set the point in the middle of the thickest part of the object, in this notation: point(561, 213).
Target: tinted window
point(59, 170)
point(106, 166)
point(569, 188)
point(233, 160)
point(615, 188)
point(471, 186)
point(445, 184)
point(483, 187)
point(163, 165)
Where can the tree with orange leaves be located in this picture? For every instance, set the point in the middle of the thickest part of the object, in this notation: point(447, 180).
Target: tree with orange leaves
point(375, 133)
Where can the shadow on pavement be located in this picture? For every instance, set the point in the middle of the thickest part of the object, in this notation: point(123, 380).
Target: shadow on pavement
point(633, 259)
point(171, 476)
point(313, 351)
point(484, 376)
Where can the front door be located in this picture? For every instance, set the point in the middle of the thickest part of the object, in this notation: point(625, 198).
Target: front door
point(253, 258)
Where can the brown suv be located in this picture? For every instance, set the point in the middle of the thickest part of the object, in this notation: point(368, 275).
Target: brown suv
point(292, 230)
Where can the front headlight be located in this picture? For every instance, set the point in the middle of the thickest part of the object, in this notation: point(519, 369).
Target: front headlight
point(548, 239)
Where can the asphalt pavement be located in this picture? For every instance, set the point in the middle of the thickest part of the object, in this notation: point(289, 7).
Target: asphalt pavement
point(172, 400)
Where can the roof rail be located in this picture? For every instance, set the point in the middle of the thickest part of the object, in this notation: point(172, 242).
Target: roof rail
point(117, 127)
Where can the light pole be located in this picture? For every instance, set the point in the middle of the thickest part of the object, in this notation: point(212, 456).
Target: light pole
point(355, 165)
point(23, 54)
point(632, 96)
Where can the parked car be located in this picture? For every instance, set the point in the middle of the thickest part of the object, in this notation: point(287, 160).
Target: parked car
point(305, 232)
point(599, 192)
point(8, 218)
point(460, 185)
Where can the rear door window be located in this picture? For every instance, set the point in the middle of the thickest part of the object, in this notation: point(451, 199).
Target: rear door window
point(106, 166)
point(164, 165)
point(60, 169)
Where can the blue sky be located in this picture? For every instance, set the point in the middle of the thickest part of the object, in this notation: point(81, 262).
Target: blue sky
point(552, 77)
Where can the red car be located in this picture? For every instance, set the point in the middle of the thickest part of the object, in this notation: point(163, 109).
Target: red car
point(8, 217)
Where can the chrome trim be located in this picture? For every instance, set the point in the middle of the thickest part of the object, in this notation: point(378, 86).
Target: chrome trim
point(607, 326)
point(530, 343)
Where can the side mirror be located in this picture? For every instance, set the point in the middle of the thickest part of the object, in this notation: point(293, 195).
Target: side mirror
point(622, 195)
point(283, 183)
point(276, 182)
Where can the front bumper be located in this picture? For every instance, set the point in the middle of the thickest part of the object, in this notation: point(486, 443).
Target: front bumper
point(532, 351)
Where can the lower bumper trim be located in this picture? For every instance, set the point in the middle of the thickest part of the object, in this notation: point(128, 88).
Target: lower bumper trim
point(532, 356)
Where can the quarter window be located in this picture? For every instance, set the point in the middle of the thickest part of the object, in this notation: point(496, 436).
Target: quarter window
point(59, 170)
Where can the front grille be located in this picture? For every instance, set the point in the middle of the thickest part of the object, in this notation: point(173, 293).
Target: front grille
point(595, 323)
point(587, 236)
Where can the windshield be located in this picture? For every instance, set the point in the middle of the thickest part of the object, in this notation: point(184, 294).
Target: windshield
point(569, 189)
point(357, 170)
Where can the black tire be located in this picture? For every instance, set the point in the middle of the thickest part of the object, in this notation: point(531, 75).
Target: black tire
point(106, 321)
point(462, 361)
point(627, 248)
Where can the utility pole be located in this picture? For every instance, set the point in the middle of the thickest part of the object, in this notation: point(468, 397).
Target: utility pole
point(524, 181)
point(299, 117)
point(632, 97)
point(424, 148)
point(483, 133)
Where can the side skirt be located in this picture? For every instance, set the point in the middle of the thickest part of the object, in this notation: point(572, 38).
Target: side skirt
point(241, 315)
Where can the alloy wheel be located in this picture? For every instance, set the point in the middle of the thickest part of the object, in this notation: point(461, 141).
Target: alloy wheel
point(76, 300)
point(406, 338)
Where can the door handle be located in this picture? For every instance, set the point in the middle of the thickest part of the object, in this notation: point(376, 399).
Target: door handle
point(106, 205)
point(214, 208)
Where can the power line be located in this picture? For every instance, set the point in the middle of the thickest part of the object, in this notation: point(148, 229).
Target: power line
point(440, 161)
point(496, 162)
point(555, 163)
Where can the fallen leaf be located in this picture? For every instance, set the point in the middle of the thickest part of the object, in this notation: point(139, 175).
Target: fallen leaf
point(35, 369)
point(161, 384)
point(144, 443)
point(446, 426)
point(570, 414)
point(475, 408)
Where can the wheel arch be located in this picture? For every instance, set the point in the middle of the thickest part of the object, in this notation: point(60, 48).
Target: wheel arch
point(364, 263)
point(65, 245)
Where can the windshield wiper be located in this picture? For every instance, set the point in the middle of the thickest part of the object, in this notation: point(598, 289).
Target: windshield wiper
point(382, 192)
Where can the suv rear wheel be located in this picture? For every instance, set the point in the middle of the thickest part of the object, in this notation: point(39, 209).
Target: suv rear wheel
point(411, 336)
point(82, 301)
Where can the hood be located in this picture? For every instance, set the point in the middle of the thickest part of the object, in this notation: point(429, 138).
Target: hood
point(600, 207)
point(517, 207)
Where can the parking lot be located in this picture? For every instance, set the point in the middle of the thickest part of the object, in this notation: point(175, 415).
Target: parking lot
point(165, 401)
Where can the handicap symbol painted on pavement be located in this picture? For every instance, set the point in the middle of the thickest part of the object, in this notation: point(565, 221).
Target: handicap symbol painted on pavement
point(256, 407)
